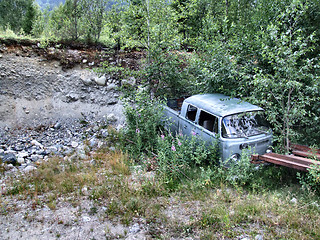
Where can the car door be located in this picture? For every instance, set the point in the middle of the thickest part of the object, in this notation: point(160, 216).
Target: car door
point(207, 126)
point(188, 126)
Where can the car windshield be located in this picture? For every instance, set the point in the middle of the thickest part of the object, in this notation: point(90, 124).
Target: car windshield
point(244, 125)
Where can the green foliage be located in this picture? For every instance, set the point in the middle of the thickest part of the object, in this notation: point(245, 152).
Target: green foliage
point(18, 14)
point(73, 20)
point(286, 88)
point(147, 24)
point(177, 154)
point(143, 118)
point(241, 172)
point(237, 173)
point(311, 181)
point(167, 73)
point(216, 70)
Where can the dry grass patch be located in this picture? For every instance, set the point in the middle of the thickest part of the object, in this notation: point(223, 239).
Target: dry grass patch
point(228, 213)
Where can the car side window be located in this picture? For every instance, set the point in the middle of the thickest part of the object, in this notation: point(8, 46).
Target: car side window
point(191, 113)
point(208, 121)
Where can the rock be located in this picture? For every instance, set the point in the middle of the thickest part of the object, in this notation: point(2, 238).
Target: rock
point(42, 152)
point(81, 152)
point(258, 237)
point(51, 50)
point(84, 191)
point(131, 81)
point(72, 97)
point(84, 61)
point(9, 158)
point(18, 148)
point(112, 101)
point(74, 144)
point(0, 55)
point(112, 86)
point(104, 133)
point(57, 125)
point(93, 142)
point(23, 154)
point(101, 80)
point(35, 157)
point(29, 169)
point(135, 228)
point(86, 81)
point(86, 219)
point(8, 167)
point(36, 143)
point(52, 149)
point(294, 201)
point(111, 118)
point(20, 160)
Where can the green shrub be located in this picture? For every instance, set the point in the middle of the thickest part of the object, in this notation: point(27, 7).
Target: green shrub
point(177, 154)
point(143, 117)
point(310, 181)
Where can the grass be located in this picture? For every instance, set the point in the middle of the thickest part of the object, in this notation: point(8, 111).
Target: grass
point(191, 209)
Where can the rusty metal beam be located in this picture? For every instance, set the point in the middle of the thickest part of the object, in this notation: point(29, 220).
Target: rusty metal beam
point(301, 158)
point(290, 161)
point(306, 154)
point(304, 148)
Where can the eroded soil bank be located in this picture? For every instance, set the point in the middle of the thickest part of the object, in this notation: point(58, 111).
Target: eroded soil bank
point(51, 102)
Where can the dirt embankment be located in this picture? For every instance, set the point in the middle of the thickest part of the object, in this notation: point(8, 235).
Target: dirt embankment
point(45, 85)
point(46, 96)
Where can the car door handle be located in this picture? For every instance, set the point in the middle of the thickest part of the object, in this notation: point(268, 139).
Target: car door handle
point(185, 126)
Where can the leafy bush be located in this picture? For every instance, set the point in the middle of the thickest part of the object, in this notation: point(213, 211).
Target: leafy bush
point(167, 73)
point(236, 173)
point(143, 117)
point(177, 154)
point(311, 180)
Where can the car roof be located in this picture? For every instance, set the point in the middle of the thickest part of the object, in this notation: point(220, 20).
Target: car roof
point(221, 105)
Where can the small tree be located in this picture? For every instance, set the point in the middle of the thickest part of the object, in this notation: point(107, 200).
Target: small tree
point(285, 86)
point(18, 14)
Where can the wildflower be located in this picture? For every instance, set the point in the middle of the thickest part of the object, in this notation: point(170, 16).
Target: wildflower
point(193, 133)
point(162, 136)
point(137, 130)
point(179, 143)
point(173, 148)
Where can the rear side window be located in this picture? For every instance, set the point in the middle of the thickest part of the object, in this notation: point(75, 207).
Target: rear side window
point(191, 113)
point(208, 121)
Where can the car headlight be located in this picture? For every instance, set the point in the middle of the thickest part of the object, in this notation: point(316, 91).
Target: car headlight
point(269, 150)
point(235, 157)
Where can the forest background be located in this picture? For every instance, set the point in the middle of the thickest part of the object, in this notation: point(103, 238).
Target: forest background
point(262, 51)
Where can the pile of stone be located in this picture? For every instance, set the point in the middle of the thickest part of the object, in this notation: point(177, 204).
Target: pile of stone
point(24, 149)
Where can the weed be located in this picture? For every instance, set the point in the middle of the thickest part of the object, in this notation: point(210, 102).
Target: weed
point(93, 210)
point(310, 181)
point(143, 121)
point(52, 205)
point(177, 154)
